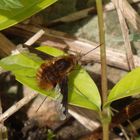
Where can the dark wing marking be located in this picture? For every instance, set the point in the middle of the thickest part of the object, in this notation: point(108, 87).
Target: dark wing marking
point(64, 91)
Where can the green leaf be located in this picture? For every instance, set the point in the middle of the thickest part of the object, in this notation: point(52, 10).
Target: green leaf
point(15, 11)
point(24, 67)
point(16, 62)
point(82, 90)
point(10, 4)
point(51, 51)
point(50, 135)
point(32, 83)
point(127, 86)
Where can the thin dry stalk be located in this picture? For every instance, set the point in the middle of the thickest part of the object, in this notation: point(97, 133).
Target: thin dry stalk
point(125, 33)
point(82, 117)
point(132, 127)
point(17, 106)
point(110, 6)
point(124, 132)
point(129, 13)
point(34, 38)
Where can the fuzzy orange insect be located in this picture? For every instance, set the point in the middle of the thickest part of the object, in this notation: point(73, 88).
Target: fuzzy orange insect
point(53, 71)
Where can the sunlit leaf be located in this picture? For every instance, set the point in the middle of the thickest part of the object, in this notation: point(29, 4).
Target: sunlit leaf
point(10, 4)
point(51, 51)
point(82, 90)
point(129, 85)
point(15, 11)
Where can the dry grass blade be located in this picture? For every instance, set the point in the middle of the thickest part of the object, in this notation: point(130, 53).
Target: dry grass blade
point(110, 6)
point(129, 13)
point(85, 117)
point(125, 33)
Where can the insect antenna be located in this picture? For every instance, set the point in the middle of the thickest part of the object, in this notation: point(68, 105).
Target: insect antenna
point(89, 51)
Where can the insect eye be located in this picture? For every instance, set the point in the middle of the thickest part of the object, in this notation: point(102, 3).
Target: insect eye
point(63, 64)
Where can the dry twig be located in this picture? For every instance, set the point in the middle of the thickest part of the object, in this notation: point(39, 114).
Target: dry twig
point(34, 38)
point(17, 106)
point(84, 118)
point(124, 132)
point(110, 6)
point(125, 33)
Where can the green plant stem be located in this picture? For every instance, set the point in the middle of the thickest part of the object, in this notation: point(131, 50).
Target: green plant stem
point(105, 118)
point(105, 131)
point(102, 50)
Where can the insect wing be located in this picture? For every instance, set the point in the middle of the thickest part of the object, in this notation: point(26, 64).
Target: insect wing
point(64, 91)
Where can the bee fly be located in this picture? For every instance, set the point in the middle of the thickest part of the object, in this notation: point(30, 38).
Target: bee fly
point(55, 71)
